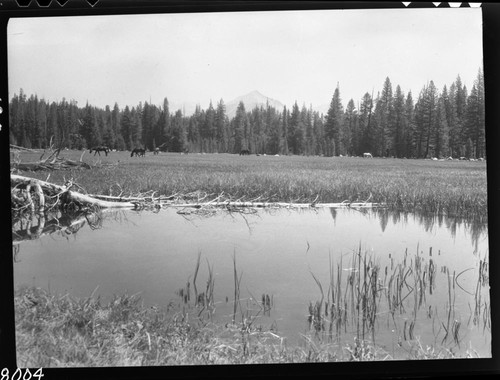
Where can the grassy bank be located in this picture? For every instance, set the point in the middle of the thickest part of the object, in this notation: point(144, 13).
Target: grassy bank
point(453, 188)
point(55, 331)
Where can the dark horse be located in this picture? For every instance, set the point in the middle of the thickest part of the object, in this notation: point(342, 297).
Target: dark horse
point(245, 152)
point(140, 152)
point(100, 148)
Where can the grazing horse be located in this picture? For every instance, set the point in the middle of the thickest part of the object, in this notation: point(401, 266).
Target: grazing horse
point(245, 152)
point(139, 152)
point(156, 151)
point(98, 149)
point(367, 155)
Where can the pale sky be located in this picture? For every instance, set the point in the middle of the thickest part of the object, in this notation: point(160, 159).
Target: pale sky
point(286, 55)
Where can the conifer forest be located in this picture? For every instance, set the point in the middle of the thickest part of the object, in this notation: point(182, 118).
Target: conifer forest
point(387, 123)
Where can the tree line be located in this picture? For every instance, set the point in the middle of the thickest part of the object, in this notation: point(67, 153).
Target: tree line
point(390, 124)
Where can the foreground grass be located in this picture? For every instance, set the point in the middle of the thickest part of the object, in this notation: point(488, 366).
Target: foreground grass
point(452, 188)
point(54, 331)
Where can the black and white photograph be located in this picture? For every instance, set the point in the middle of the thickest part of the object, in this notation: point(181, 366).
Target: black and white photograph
point(249, 187)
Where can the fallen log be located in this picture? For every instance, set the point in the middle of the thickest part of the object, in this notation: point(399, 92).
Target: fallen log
point(65, 195)
point(56, 164)
point(281, 205)
point(52, 162)
point(16, 147)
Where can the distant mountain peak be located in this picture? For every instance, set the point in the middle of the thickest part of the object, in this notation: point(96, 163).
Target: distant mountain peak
point(251, 100)
point(257, 95)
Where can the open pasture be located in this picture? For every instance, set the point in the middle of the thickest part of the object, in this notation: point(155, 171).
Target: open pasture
point(453, 188)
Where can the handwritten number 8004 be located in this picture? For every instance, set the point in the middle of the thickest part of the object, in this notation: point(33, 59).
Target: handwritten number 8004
point(18, 374)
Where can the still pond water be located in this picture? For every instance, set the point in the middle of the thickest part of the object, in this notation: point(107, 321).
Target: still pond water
point(431, 274)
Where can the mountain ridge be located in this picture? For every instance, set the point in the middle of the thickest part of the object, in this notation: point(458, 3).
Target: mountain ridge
point(251, 100)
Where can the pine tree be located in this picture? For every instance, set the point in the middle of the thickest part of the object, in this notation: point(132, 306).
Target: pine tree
point(384, 115)
point(193, 130)
point(310, 142)
point(350, 138)
point(207, 131)
point(474, 126)
point(275, 134)
point(108, 135)
point(53, 125)
point(366, 130)
point(136, 127)
point(178, 143)
point(441, 134)
point(286, 115)
point(409, 136)
point(240, 125)
point(116, 128)
point(221, 128)
point(149, 121)
point(450, 105)
point(461, 109)
point(126, 128)
point(163, 131)
point(296, 129)
point(425, 117)
point(399, 126)
point(333, 123)
point(319, 133)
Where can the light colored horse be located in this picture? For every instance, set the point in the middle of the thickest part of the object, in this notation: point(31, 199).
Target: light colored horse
point(367, 155)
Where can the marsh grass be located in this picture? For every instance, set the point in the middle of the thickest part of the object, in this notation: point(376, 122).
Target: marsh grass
point(452, 188)
point(54, 330)
point(368, 294)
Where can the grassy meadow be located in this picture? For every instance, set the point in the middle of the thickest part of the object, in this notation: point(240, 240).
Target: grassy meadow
point(453, 188)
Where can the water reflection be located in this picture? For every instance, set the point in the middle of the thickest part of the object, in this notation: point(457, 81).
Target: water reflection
point(33, 226)
point(476, 230)
point(357, 270)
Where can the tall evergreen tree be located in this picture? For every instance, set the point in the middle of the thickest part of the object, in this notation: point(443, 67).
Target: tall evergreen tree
point(126, 128)
point(366, 130)
point(295, 131)
point(409, 136)
point(221, 127)
point(319, 133)
point(207, 131)
point(425, 117)
point(384, 114)
point(474, 119)
point(333, 123)
point(350, 138)
point(441, 132)
point(310, 140)
point(240, 125)
point(109, 135)
point(178, 133)
point(454, 128)
point(193, 130)
point(275, 139)
point(399, 125)
point(136, 127)
point(286, 115)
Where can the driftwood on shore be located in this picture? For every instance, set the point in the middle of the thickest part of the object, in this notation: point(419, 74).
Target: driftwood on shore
point(62, 195)
point(52, 162)
point(50, 195)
